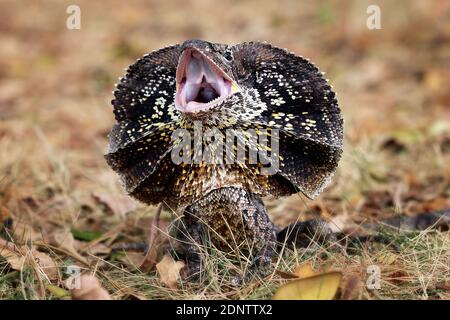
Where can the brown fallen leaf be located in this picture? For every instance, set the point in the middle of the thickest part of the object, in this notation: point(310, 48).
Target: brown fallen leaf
point(8, 251)
point(134, 259)
point(119, 205)
point(46, 265)
point(65, 240)
point(319, 287)
point(18, 257)
point(90, 289)
point(351, 288)
point(169, 271)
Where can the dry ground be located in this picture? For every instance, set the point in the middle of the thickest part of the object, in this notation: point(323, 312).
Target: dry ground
point(57, 193)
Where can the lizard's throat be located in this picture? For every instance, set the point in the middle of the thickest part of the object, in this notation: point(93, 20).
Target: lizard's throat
point(201, 84)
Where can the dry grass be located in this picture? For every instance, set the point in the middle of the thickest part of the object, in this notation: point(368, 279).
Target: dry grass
point(55, 88)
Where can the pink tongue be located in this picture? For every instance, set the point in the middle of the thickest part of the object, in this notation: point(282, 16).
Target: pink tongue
point(198, 71)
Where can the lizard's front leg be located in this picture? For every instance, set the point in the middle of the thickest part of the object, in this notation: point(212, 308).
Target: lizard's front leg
point(263, 233)
point(237, 220)
point(187, 235)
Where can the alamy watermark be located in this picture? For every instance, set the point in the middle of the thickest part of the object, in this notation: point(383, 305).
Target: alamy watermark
point(231, 146)
point(74, 279)
point(374, 19)
point(73, 21)
point(374, 280)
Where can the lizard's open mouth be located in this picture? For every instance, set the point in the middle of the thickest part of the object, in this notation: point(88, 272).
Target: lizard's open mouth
point(201, 84)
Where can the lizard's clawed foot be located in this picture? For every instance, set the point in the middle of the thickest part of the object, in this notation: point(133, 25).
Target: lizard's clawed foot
point(194, 272)
point(258, 269)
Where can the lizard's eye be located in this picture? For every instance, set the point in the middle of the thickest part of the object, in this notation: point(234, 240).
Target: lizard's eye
point(227, 55)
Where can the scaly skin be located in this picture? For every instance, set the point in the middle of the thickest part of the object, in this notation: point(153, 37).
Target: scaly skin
point(233, 218)
point(277, 90)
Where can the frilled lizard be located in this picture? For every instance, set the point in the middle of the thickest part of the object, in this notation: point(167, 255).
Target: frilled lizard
point(248, 86)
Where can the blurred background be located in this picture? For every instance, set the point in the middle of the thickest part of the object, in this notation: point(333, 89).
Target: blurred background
point(55, 90)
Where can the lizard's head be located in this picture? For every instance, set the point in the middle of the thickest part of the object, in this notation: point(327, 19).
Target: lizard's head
point(204, 77)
